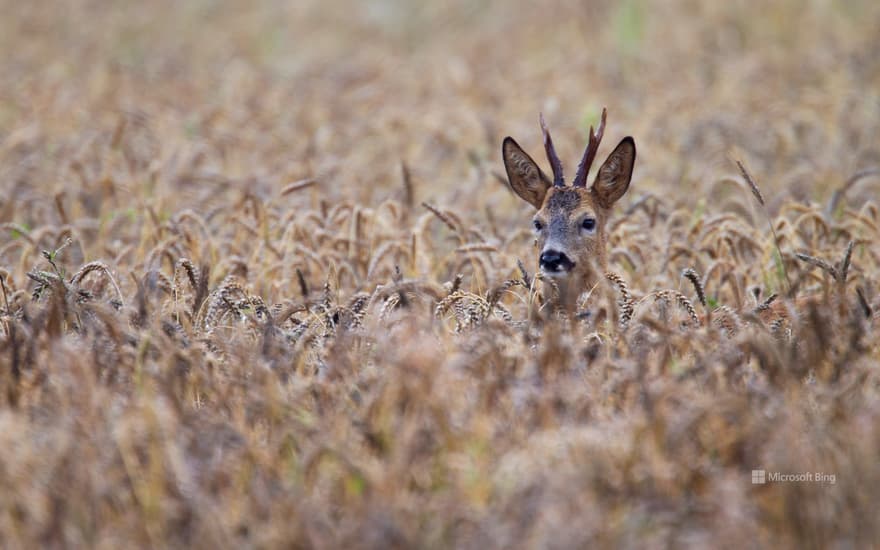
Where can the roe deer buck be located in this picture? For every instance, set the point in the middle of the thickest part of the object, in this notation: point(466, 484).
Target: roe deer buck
point(570, 225)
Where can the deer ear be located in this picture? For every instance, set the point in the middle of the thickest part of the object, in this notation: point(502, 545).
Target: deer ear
point(526, 179)
point(613, 177)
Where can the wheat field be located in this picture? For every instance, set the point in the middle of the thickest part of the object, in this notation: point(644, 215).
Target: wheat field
point(264, 283)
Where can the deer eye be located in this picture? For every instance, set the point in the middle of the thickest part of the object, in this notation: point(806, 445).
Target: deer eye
point(538, 225)
point(589, 224)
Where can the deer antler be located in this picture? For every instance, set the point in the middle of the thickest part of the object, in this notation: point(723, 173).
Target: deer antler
point(580, 178)
point(555, 163)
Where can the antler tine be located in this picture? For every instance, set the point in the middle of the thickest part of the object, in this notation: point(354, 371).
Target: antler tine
point(555, 163)
point(580, 178)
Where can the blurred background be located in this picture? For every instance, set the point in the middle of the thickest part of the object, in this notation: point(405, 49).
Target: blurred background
point(275, 364)
point(271, 92)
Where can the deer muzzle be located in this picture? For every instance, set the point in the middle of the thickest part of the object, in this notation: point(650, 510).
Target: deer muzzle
point(555, 262)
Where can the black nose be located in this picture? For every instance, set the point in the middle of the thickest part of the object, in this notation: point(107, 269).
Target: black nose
point(553, 260)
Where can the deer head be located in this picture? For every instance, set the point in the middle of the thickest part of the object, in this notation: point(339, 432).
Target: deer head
point(571, 221)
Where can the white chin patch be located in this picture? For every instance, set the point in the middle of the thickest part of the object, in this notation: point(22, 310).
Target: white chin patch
point(558, 274)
